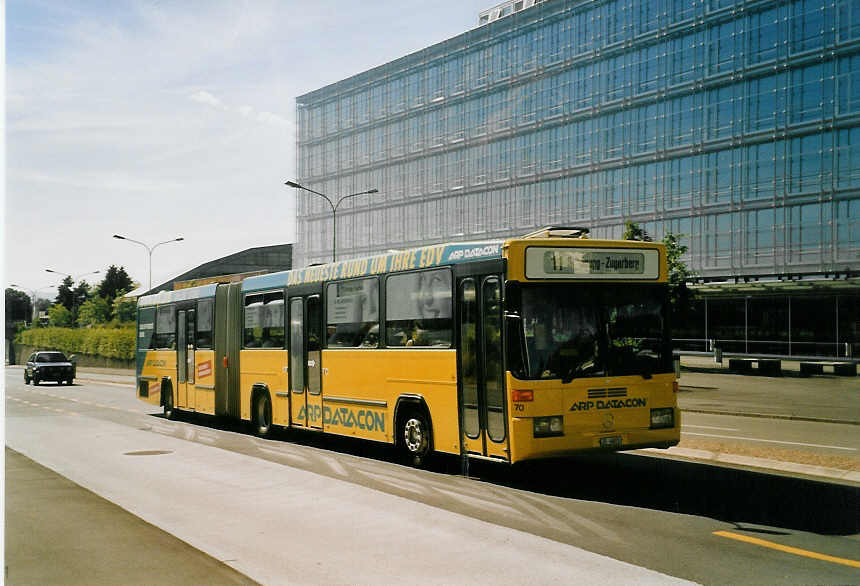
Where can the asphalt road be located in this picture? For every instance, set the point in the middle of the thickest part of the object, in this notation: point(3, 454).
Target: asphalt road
point(303, 508)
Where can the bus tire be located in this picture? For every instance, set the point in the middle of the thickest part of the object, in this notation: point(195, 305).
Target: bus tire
point(167, 403)
point(262, 414)
point(415, 437)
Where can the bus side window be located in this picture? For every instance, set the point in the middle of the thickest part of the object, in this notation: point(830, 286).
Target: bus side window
point(146, 328)
point(352, 314)
point(253, 332)
point(419, 309)
point(273, 320)
point(264, 320)
point(165, 327)
point(204, 324)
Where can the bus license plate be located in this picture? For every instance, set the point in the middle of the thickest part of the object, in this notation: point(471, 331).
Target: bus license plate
point(610, 442)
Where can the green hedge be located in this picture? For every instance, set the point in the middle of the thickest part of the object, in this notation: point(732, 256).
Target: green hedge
point(107, 342)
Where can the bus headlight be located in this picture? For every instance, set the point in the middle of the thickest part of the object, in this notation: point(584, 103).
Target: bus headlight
point(664, 417)
point(548, 426)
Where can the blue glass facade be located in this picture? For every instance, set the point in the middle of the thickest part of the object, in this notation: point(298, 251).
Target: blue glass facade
point(734, 122)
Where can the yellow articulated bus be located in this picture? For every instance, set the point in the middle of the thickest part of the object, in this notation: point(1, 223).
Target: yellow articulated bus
point(541, 346)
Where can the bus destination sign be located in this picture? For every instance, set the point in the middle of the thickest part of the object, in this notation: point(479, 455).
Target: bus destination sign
point(584, 263)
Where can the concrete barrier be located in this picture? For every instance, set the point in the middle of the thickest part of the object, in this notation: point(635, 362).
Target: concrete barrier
point(765, 366)
point(845, 368)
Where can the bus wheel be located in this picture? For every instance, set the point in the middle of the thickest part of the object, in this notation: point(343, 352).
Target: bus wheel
point(263, 415)
point(169, 409)
point(415, 435)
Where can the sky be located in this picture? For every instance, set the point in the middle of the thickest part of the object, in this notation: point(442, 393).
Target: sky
point(159, 119)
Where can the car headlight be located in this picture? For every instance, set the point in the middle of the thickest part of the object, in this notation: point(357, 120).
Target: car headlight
point(548, 426)
point(663, 417)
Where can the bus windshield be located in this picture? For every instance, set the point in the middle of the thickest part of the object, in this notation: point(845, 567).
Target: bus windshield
point(594, 330)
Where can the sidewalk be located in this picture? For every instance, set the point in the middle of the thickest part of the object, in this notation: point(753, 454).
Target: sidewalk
point(709, 387)
point(60, 533)
point(705, 363)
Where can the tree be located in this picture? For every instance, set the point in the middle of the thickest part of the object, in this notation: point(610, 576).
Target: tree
point(125, 309)
point(18, 306)
point(679, 273)
point(679, 296)
point(59, 316)
point(65, 295)
point(632, 231)
point(81, 294)
point(94, 311)
point(116, 283)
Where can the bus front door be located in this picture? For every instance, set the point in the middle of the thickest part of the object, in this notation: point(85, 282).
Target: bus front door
point(305, 369)
point(185, 325)
point(483, 419)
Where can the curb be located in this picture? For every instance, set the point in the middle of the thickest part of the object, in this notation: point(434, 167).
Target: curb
point(772, 416)
point(106, 382)
point(766, 465)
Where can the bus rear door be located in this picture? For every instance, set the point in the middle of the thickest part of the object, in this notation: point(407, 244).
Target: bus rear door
point(305, 368)
point(185, 325)
point(482, 392)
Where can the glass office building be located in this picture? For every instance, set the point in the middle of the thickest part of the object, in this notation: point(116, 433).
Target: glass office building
point(736, 123)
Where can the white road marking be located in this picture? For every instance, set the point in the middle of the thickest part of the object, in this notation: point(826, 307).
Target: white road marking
point(544, 518)
point(753, 439)
point(480, 503)
point(396, 482)
point(709, 427)
point(581, 521)
point(336, 466)
point(301, 460)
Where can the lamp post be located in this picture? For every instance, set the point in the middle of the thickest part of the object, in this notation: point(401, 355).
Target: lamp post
point(333, 206)
point(149, 249)
point(34, 296)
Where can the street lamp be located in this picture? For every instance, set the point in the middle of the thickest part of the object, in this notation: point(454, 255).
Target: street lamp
point(149, 249)
point(34, 296)
point(333, 207)
point(70, 275)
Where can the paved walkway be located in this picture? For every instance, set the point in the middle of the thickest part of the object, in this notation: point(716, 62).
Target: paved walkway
point(711, 388)
point(59, 533)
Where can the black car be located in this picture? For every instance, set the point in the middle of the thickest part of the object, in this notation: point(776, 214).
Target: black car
point(49, 365)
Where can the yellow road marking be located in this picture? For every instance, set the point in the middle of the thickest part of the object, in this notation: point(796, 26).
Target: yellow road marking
point(788, 549)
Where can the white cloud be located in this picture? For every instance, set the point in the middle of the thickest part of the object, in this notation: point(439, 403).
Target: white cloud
point(208, 99)
point(245, 111)
point(160, 119)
